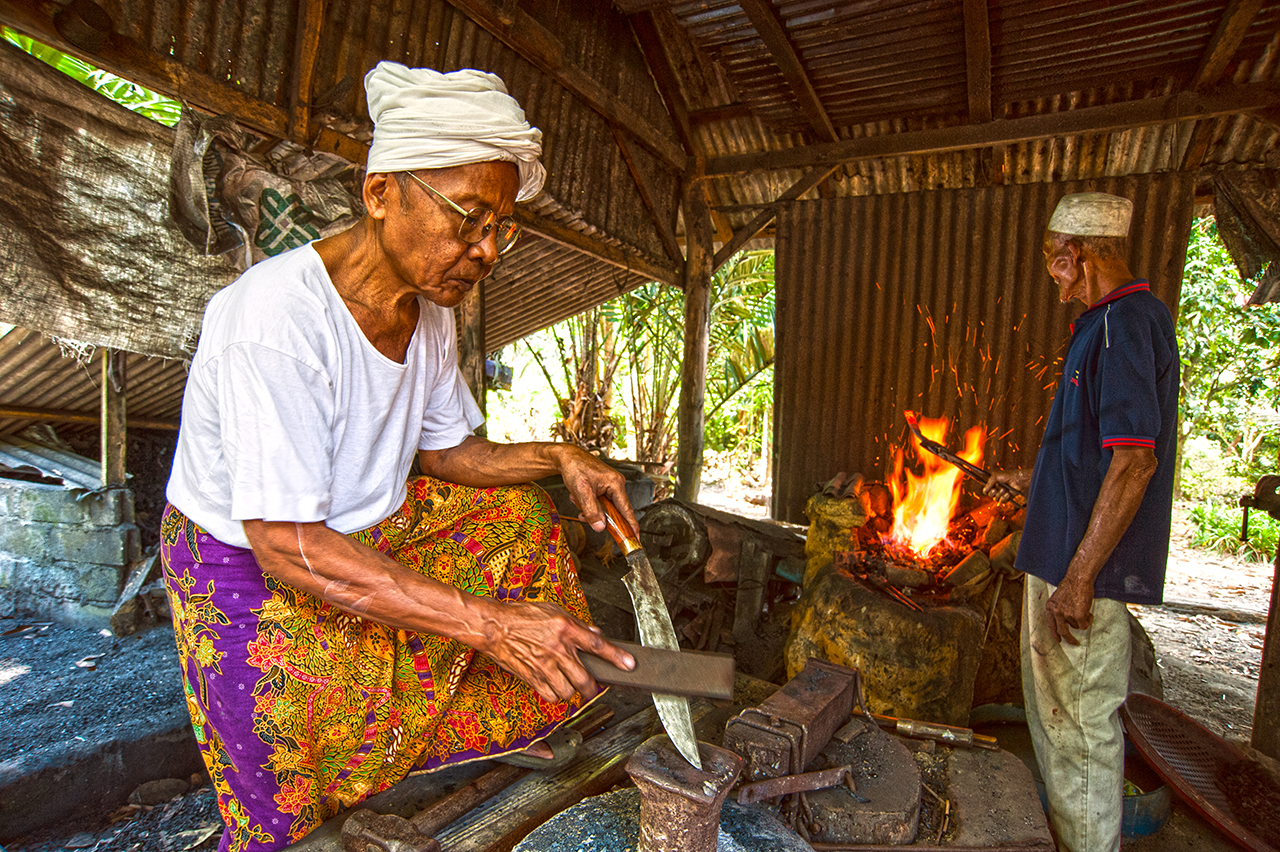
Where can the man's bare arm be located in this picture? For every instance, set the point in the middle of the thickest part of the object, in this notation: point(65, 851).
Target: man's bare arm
point(1117, 503)
point(482, 464)
point(538, 642)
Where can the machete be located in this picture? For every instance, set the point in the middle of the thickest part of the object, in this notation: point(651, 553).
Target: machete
point(656, 630)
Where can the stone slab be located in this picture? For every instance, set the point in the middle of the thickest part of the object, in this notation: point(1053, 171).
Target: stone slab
point(886, 776)
point(994, 800)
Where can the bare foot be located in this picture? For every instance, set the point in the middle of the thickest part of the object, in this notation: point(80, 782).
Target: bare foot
point(540, 750)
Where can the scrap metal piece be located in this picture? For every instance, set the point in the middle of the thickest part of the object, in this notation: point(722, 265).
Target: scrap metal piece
point(806, 782)
point(365, 831)
point(656, 631)
point(680, 805)
point(784, 734)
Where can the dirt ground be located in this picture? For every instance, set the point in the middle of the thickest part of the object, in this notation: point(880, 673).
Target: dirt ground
point(59, 685)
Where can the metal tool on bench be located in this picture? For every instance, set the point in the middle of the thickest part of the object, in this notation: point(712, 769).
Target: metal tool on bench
point(968, 468)
point(656, 631)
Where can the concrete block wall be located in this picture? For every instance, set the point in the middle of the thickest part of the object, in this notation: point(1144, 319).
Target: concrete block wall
point(64, 559)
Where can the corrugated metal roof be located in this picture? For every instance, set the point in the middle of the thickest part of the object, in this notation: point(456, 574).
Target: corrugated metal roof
point(35, 373)
point(76, 472)
point(937, 302)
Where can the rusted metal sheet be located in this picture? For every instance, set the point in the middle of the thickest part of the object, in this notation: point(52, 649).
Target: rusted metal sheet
point(936, 302)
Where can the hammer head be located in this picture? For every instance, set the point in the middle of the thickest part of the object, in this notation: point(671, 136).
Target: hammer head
point(365, 831)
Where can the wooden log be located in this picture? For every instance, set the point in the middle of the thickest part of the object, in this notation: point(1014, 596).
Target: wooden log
point(697, 335)
point(1266, 712)
point(114, 426)
point(66, 415)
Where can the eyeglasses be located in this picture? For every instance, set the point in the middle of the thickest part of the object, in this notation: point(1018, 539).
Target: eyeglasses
point(478, 223)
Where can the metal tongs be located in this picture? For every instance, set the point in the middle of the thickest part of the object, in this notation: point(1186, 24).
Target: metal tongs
point(968, 468)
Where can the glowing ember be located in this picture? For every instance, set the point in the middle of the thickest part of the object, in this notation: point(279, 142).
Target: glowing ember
point(923, 505)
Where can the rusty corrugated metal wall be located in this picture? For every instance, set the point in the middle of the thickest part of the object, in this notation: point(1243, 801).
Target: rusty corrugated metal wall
point(937, 302)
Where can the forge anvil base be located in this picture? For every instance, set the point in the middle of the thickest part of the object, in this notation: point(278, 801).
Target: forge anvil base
point(679, 803)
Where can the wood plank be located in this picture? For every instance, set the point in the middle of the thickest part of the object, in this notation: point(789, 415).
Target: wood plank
point(697, 334)
point(764, 217)
point(1225, 41)
point(114, 429)
point(771, 29)
point(1266, 713)
point(1227, 100)
point(558, 233)
point(132, 61)
point(666, 230)
point(64, 415)
point(504, 820)
point(655, 55)
point(306, 46)
point(471, 349)
point(526, 36)
point(977, 43)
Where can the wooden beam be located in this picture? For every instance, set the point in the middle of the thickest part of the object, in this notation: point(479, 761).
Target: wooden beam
point(1225, 41)
point(977, 44)
point(697, 334)
point(655, 56)
point(764, 217)
point(65, 415)
point(566, 236)
point(471, 350)
point(1229, 100)
point(132, 61)
point(114, 431)
point(717, 114)
point(306, 46)
point(666, 230)
point(1223, 44)
point(771, 29)
point(522, 33)
point(1266, 713)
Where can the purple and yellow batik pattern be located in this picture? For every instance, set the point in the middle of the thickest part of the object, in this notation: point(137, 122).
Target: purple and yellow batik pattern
point(302, 709)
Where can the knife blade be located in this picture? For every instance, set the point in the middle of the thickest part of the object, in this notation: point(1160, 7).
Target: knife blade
point(969, 469)
point(656, 631)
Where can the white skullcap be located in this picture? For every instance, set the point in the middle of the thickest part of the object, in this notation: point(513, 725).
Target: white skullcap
point(1092, 214)
point(423, 119)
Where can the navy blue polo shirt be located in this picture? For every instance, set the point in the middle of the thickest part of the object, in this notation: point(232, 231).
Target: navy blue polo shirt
point(1119, 388)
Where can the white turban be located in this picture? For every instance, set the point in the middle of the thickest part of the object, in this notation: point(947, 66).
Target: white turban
point(423, 119)
point(1092, 214)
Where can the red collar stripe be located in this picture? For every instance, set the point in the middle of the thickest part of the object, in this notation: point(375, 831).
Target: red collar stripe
point(1140, 284)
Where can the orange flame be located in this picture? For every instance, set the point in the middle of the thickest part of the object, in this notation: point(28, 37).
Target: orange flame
point(923, 505)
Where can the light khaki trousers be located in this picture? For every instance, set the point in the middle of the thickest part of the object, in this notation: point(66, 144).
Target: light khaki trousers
point(1073, 695)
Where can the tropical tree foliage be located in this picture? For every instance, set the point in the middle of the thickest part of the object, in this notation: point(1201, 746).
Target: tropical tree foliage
point(131, 95)
point(1230, 360)
point(588, 359)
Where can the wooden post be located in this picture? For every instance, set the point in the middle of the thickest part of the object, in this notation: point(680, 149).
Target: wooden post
point(471, 343)
point(697, 332)
point(1266, 712)
point(114, 429)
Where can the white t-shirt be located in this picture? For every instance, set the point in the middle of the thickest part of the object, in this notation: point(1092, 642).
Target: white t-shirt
point(291, 414)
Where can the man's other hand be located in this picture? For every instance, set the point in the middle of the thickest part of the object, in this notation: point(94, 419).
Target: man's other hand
point(1004, 485)
point(1070, 607)
point(538, 642)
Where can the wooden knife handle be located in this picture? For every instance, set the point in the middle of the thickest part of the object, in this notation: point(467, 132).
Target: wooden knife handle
point(619, 528)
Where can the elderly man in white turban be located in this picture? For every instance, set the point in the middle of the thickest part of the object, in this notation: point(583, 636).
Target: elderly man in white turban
point(1098, 515)
point(340, 622)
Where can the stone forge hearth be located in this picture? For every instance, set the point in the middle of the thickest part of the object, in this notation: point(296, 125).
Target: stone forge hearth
point(928, 614)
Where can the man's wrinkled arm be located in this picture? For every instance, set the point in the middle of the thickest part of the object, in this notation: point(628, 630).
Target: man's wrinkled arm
point(480, 463)
point(538, 642)
point(1117, 503)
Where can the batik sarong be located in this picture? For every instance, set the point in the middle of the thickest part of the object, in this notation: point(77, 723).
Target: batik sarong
point(302, 709)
